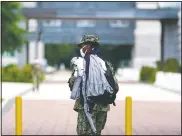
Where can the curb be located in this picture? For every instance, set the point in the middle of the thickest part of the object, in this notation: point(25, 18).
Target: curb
point(163, 88)
point(7, 103)
point(168, 90)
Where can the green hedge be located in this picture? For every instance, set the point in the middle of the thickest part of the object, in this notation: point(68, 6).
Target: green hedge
point(148, 74)
point(12, 73)
point(170, 65)
point(159, 65)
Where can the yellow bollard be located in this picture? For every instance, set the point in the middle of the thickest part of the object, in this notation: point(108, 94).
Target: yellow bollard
point(128, 116)
point(18, 117)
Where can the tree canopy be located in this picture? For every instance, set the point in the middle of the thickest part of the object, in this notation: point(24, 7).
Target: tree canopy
point(63, 53)
point(12, 33)
point(59, 53)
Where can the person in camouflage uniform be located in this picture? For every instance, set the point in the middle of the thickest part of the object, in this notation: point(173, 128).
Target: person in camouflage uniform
point(99, 112)
point(99, 117)
point(36, 74)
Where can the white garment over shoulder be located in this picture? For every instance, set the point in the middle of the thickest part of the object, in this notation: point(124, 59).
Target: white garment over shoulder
point(96, 83)
point(102, 63)
point(78, 63)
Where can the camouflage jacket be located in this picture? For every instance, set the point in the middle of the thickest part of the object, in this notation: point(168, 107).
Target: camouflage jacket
point(36, 69)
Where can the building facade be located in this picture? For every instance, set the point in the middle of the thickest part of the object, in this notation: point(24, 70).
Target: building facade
point(110, 32)
point(119, 32)
point(69, 21)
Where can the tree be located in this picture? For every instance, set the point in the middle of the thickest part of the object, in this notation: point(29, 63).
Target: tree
point(12, 34)
point(59, 53)
point(116, 53)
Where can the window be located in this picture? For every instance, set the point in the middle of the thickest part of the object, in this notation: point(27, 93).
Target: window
point(52, 23)
point(119, 23)
point(147, 5)
point(86, 4)
point(29, 4)
point(169, 4)
point(32, 25)
point(85, 23)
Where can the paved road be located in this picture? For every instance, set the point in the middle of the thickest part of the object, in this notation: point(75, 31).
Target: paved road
point(50, 111)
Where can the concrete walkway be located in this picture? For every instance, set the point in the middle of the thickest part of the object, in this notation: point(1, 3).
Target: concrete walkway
point(142, 92)
point(11, 89)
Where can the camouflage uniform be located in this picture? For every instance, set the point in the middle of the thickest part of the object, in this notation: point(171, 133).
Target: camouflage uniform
point(99, 117)
point(36, 75)
point(99, 112)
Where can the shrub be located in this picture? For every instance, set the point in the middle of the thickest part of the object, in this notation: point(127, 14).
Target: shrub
point(180, 69)
point(10, 72)
point(14, 74)
point(171, 65)
point(26, 74)
point(148, 74)
point(159, 65)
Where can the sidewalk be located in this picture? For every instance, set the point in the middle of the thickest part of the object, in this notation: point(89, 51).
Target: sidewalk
point(53, 117)
point(12, 89)
point(141, 92)
point(63, 76)
point(50, 111)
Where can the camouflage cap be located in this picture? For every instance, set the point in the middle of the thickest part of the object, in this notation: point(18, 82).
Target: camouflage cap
point(88, 38)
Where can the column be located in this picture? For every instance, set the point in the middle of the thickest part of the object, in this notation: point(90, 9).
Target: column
point(179, 33)
point(169, 39)
point(162, 43)
point(27, 44)
point(22, 56)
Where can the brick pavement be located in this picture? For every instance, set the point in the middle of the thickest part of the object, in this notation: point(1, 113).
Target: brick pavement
point(53, 117)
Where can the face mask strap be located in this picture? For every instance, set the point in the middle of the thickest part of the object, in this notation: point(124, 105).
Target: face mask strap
point(82, 49)
point(81, 52)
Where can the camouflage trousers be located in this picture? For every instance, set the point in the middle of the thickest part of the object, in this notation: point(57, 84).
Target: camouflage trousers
point(36, 81)
point(83, 126)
